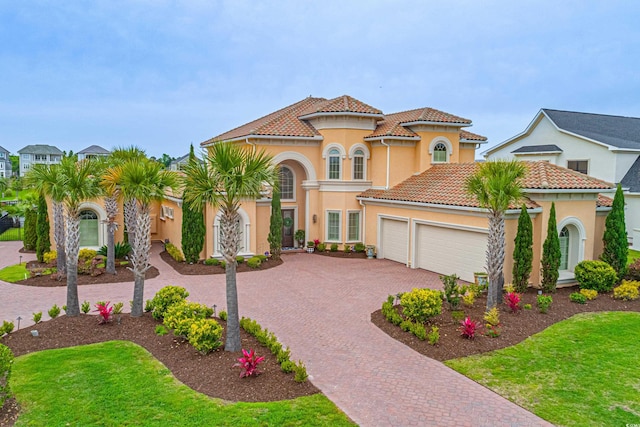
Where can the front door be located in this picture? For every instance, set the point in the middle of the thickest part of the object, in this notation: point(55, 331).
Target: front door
point(287, 228)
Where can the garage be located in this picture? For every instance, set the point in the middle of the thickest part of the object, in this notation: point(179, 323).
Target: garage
point(443, 249)
point(394, 239)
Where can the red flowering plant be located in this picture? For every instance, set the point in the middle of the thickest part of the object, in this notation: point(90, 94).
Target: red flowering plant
point(249, 363)
point(468, 328)
point(316, 242)
point(104, 312)
point(512, 299)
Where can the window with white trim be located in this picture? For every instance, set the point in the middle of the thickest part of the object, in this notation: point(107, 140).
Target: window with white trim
point(334, 163)
point(287, 184)
point(440, 153)
point(581, 166)
point(564, 248)
point(358, 165)
point(333, 226)
point(166, 212)
point(353, 226)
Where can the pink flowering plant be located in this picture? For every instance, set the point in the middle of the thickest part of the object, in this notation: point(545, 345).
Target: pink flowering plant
point(468, 328)
point(104, 312)
point(249, 363)
point(512, 299)
point(316, 242)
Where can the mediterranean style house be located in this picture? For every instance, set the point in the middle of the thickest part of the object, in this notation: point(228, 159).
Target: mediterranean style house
point(603, 146)
point(350, 173)
point(38, 154)
point(5, 163)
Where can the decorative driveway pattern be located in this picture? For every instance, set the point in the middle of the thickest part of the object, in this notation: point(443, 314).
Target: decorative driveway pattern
point(320, 307)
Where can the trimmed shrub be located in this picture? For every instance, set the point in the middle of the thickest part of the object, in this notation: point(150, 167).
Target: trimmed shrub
point(182, 314)
point(205, 335)
point(254, 262)
point(6, 362)
point(300, 372)
point(633, 272)
point(6, 328)
point(287, 366)
point(419, 331)
point(421, 304)
point(175, 253)
point(50, 257)
point(165, 298)
point(589, 294)
point(223, 315)
point(544, 302)
point(86, 255)
point(85, 307)
point(223, 264)
point(262, 257)
point(37, 317)
point(239, 259)
point(347, 248)
point(211, 261)
point(322, 247)
point(333, 247)
point(628, 290)
point(148, 306)
point(406, 325)
point(359, 247)
point(578, 298)
point(596, 275)
point(54, 311)
point(434, 335)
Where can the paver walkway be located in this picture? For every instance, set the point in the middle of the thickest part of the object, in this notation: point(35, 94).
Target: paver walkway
point(320, 307)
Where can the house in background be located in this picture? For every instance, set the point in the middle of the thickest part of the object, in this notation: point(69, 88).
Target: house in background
point(5, 163)
point(38, 154)
point(350, 173)
point(92, 152)
point(603, 146)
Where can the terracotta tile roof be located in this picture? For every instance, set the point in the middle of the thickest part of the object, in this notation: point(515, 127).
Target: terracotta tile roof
point(604, 201)
point(392, 125)
point(470, 136)
point(283, 122)
point(444, 184)
point(343, 104)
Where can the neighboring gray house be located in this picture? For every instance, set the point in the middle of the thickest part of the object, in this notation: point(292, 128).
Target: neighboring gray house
point(93, 152)
point(38, 154)
point(599, 145)
point(178, 163)
point(5, 163)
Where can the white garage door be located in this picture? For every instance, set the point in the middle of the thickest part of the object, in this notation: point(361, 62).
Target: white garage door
point(450, 251)
point(394, 241)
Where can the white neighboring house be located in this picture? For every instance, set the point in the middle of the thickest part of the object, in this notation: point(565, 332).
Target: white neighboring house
point(602, 146)
point(93, 151)
point(5, 163)
point(38, 154)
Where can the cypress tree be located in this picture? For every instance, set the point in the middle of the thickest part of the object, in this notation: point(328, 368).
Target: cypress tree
point(523, 252)
point(551, 254)
point(30, 238)
point(275, 228)
point(43, 242)
point(616, 248)
point(193, 228)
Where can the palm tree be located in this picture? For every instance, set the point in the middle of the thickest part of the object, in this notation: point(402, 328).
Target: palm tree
point(496, 185)
point(112, 194)
point(48, 180)
point(80, 183)
point(4, 184)
point(143, 181)
point(229, 175)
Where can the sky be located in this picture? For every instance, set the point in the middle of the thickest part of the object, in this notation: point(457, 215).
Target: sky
point(164, 74)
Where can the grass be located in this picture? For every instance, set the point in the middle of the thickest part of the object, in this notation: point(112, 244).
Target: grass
point(582, 371)
point(633, 255)
point(120, 383)
point(11, 234)
point(13, 273)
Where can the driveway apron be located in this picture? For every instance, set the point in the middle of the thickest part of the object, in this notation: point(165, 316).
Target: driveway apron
point(320, 307)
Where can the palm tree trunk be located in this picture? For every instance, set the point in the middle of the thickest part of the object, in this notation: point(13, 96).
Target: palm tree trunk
point(130, 215)
point(72, 246)
point(58, 237)
point(495, 258)
point(111, 206)
point(230, 236)
point(140, 258)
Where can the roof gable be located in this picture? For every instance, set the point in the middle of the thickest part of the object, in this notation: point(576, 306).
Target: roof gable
point(94, 149)
point(40, 149)
point(632, 178)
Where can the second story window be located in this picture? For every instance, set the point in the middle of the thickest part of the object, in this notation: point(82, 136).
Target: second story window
point(358, 165)
point(334, 163)
point(581, 166)
point(440, 153)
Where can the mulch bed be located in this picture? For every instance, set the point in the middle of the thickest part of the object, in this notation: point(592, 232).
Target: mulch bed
point(123, 274)
point(515, 327)
point(342, 254)
point(212, 374)
point(199, 268)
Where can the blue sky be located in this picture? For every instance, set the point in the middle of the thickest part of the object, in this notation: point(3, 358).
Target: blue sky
point(164, 74)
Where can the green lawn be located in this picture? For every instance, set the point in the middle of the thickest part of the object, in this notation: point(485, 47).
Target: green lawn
point(120, 383)
point(582, 371)
point(633, 255)
point(11, 234)
point(13, 273)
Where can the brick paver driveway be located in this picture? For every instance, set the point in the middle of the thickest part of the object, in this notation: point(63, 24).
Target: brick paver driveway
point(321, 308)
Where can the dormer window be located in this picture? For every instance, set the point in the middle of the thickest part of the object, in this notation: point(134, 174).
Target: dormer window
point(440, 153)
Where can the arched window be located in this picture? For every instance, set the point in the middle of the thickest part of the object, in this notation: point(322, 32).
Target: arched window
point(88, 228)
point(564, 248)
point(358, 165)
point(287, 184)
point(440, 153)
point(334, 164)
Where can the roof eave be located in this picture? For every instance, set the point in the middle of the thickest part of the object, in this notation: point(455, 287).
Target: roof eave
point(341, 113)
point(378, 138)
point(524, 153)
point(473, 141)
point(431, 123)
point(441, 206)
point(569, 190)
point(245, 137)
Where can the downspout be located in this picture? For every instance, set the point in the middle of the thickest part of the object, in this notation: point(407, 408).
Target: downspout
point(364, 221)
point(251, 144)
point(386, 187)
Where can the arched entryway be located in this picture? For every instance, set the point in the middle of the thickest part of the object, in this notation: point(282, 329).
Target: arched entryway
point(89, 228)
point(572, 235)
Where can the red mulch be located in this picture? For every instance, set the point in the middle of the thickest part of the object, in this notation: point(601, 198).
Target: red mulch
point(515, 327)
